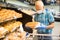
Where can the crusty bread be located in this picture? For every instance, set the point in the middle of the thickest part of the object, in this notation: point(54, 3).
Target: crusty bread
point(11, 26)
point(7, 14)
point(31, 24)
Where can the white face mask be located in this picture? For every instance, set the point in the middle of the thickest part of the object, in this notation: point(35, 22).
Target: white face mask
point(40, 11)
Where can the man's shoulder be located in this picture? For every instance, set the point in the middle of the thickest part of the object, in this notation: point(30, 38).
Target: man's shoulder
point(47, 12)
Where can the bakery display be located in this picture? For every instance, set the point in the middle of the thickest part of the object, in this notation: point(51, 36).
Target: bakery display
point(10, 28)
point(7, 14)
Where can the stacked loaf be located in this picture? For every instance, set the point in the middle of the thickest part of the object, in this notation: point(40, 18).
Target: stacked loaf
point(7, 14)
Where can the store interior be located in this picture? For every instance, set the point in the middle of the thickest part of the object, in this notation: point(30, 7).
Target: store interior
point(15, 14)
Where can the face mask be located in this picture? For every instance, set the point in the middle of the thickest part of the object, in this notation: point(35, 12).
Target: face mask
point(40, 11)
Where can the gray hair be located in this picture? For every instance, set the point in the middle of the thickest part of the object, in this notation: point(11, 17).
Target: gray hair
point(39, 2)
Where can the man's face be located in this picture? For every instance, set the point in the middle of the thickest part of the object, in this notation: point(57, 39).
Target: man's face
point(39, 6)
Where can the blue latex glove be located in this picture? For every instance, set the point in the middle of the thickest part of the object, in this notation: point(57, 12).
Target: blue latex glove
point(41, 26)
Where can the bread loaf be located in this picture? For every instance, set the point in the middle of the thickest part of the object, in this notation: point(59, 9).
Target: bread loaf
point(7, 14)
point(31, 24)
point(11, 26)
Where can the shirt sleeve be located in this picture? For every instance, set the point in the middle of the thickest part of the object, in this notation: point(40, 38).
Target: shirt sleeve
point(51, 18)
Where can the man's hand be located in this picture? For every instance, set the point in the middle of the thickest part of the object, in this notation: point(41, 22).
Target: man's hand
point(41, 26)
point(50, 26)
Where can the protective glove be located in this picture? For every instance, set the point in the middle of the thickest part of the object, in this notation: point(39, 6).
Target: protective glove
point(41, 26)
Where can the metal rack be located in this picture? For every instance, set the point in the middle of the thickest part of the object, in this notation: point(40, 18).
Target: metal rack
point(54, 36)
point(34, 36)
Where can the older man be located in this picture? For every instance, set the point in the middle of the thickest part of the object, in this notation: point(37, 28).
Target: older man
point(44, 17)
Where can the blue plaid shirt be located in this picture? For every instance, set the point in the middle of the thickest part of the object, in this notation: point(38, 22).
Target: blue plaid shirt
point(45, 18)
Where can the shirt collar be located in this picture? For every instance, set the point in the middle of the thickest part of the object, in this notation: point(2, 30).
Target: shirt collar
point(43, 12)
